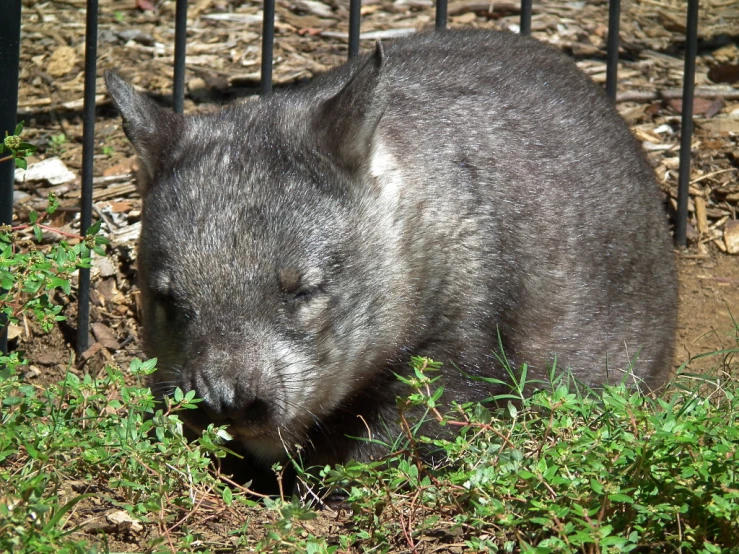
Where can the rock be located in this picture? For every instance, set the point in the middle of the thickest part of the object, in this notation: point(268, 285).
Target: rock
point(51, 170)
point(136, 35)
point(123, 521)
point(105, 266)
point(19, 197)
point(198, 89)
point(106, 36)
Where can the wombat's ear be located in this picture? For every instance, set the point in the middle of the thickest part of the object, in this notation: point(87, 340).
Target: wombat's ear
point(346, 122)
point(150, 128)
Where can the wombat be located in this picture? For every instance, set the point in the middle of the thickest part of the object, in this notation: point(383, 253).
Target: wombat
point(448, 195)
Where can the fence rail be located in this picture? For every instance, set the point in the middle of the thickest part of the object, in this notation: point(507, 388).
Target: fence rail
point(10, 27)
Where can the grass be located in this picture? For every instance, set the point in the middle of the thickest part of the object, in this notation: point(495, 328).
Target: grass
point(566, 470)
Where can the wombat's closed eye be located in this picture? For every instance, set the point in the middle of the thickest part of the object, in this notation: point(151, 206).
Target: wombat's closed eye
point(301, 286)
point(444, 195)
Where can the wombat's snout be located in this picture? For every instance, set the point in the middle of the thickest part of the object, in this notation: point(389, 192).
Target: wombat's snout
point(230, 401)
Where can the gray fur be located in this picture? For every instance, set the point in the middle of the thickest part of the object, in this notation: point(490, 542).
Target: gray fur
point(297, 250)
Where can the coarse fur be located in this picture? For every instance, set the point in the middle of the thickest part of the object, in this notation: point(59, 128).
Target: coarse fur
point(426, 199)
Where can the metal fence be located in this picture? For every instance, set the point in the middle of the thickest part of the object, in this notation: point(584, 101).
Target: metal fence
point(10, 27)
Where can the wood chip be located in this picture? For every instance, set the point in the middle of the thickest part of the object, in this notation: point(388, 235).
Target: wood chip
point(62, 61)
point(731, 236)
point(700, 215)
point(104, 336)
point(722, 125)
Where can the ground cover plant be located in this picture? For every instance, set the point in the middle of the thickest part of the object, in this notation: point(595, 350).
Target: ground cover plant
point(92, 464)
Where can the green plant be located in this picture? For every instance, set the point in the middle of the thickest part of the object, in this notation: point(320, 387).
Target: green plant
point(56, 144)
point(15, 149)
point(100, 432)
point(563, 471)
point(30, 277)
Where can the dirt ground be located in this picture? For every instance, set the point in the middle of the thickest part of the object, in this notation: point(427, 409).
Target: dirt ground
point(136, 39)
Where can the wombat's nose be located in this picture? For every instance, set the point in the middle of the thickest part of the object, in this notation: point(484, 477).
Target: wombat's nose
point(254, 411)
point(229, 399)
point(238, 407)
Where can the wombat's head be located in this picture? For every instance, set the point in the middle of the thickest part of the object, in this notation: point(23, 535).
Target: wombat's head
point(266, 284)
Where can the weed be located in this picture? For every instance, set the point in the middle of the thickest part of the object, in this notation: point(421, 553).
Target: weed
point(56, 145)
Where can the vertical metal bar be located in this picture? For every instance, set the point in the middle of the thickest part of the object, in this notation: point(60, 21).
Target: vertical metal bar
point(180, 47)
point(88, 151)
point(10, 42)
point(268, 39)
point(355, 11)
point(441, 14)
point(686, 126)
point(526, 17)
point(614, 18)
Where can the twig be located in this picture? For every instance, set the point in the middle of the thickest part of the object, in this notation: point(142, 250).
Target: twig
point(675, 93)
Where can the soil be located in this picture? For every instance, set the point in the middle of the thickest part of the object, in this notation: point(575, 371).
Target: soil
point(136, 39)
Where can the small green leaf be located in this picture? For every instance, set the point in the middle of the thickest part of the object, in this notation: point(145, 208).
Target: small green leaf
point(437, 394)
point(94, 228)
point(618, 497)
point(596, 486)
point(63, 284)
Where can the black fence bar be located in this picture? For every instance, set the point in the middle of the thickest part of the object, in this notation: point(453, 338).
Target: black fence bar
point(88, 151)
point(686, 125)
point(268, 40)
point(441, 14)
point(614, 25)
point(355, 12)
point(10, 42)
point(180, 47)
point(526, 17)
